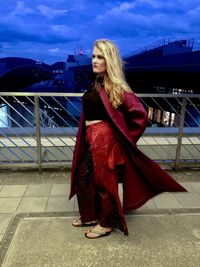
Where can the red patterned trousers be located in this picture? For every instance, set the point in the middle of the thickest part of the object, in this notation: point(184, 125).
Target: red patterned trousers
point(96, 178)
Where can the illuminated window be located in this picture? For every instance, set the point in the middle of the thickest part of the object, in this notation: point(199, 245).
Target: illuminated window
point(150, 113)
point(3, 117)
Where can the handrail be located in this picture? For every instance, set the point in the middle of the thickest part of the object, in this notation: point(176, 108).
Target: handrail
point(56, 133)
point(81, 94)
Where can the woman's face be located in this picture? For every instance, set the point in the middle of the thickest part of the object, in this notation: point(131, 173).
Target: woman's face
point(98, 61)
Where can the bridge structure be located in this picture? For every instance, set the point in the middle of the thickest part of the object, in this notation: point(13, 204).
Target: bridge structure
point(166, 66)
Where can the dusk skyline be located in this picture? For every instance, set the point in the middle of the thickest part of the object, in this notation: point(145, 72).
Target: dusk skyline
point(50, 30)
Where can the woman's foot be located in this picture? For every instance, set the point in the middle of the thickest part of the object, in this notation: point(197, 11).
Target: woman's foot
point(78, 223)
point(98, 231)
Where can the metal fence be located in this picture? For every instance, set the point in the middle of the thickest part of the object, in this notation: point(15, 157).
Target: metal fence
point(38, 129)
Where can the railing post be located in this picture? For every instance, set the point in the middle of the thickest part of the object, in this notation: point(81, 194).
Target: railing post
point(38, 133)
point(180, 134)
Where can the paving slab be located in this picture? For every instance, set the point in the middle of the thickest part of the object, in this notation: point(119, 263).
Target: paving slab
point(149, 205)
point(13, 190)
point(58, 203)
point(156, 240)
point(76, 208)
point(192, 186)
point(38, 190)
point(4, 222)
point(188, 199)
point(166, 201)
point(32, 204)
point(188, 185)
point(8, 204)
point(195, 187)
point(1, 186)
point(60, 190)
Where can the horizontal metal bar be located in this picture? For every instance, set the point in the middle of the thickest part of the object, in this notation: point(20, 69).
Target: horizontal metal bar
point(39, 94)
point(80, 94)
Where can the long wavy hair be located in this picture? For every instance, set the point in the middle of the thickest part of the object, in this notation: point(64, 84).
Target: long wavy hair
point(114, 80)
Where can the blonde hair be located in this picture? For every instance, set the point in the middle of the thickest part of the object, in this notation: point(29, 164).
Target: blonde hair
point(114, 80)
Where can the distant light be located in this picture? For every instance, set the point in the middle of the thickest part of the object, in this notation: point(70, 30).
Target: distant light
point(81, 52)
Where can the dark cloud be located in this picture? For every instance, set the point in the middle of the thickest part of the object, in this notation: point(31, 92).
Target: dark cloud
point(16, 31)
point(54, 28)
point(132, 18)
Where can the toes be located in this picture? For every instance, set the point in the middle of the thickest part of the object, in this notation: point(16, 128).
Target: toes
point(89, 234)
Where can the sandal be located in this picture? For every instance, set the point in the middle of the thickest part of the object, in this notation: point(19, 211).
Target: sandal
point(79, 223)
point(98, 231)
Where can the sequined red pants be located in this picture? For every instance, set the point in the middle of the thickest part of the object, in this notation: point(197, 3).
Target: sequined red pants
point(96, 178)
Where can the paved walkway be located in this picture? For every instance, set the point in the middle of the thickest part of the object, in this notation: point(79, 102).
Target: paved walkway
point(29, 193)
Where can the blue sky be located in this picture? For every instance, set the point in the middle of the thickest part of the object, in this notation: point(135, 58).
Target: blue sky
point(52, 29)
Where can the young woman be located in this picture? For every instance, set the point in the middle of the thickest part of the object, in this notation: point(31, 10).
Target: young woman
point(112, 121)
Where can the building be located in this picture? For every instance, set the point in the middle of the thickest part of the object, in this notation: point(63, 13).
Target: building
point(77, 72)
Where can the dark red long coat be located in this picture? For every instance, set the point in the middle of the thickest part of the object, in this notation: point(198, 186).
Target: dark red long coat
point(143, 177)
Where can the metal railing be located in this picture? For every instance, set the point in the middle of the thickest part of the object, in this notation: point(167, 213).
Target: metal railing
point(39, 129)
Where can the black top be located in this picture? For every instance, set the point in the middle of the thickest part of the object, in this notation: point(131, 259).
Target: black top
point(93, 106)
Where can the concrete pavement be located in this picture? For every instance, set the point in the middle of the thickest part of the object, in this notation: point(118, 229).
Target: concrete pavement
point(33, 205)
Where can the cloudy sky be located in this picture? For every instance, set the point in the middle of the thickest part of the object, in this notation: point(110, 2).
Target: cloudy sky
point(52, 29)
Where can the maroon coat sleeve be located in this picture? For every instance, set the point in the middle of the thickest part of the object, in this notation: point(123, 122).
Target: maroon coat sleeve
point(135, 115)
